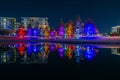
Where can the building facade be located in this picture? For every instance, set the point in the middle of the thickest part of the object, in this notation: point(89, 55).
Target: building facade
point(116, 29)
point(8, 23)
point(116, 51)
point(35, 22)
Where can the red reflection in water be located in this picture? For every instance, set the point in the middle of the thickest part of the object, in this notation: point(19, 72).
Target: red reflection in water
point(21, 49)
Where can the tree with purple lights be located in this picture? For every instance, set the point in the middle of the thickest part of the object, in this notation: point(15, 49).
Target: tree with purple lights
point(52, 33)
point(61, 29)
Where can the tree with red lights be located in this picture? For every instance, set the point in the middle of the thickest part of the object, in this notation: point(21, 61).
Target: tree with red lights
point(21, 31)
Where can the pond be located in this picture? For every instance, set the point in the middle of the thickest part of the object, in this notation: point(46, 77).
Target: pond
point(60, 60)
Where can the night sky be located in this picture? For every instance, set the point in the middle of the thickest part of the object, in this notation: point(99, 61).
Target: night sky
point(104, 13)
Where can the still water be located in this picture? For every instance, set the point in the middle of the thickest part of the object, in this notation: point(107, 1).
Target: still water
point(61, 60)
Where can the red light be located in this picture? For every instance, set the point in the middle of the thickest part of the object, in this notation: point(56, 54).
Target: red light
point(21, 31)
point(21, 49)
point(73, 47)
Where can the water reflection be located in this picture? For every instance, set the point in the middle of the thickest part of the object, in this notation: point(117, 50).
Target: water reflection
point(32, 53)
point(116, 51)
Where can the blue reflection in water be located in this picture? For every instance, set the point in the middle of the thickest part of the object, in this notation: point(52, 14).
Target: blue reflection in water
point(29, 51)
point(78, 53)
point(89, 53)
point(35, 50)
point(41, 48)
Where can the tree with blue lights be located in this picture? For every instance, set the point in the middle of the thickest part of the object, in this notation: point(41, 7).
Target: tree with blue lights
point(78, 27)
point(35, 32)
point(90, 28)
point(41, 32)
point(29, 31)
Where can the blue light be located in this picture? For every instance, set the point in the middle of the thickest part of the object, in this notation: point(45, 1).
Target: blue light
point(35, 50)
point(89, 29)
point(29, 31)
point(41, 32)
point(41, 49)
point(9, 25)
point(35, 32)
point(29, 52)
point(89, 53)
point(78, 53)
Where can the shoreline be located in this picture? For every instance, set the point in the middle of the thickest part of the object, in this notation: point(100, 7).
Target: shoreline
point(82, 40)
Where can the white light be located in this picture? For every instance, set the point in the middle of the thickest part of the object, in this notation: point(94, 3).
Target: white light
point(4, 19)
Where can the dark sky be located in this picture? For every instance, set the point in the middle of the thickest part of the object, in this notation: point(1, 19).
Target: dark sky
point(104, 13)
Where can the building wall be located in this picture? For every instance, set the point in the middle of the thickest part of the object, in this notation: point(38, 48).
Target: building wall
point(116, 29)
point(34, 22)
point(116, 51)
point(7, 23)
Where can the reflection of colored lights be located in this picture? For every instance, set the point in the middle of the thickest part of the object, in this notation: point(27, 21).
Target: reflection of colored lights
point(35, 49)
point(29, 51)
point(35, 32)
point(77, 59)
point(60, 49)
point(61, 52)
point(78, 53)
point(73, 47)
point(69, 53)
point(58, 45)
point(21, 49)
point(46, 48)
point(89, 53)
point(41, 49)
point(52, 47)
